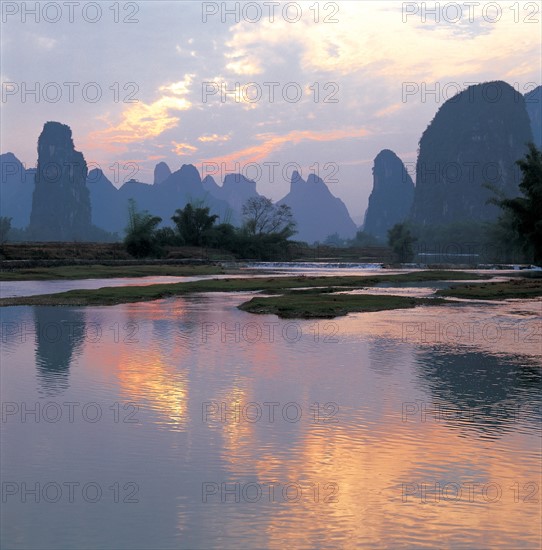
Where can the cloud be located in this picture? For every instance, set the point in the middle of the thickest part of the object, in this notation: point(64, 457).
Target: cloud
point(372, 36)
point(45, 42)
point(141, 121)
point(183, 149)
point(242, 62)
point(210, 138)
point(182, 52)
point(390, 109)
point(273, 142)
point(180, 88)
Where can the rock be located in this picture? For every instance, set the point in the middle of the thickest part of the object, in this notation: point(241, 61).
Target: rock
point(316, 210)
point(108, 212)
point(391, 197)
point(110, 205)
point(475, 138)
point(61, 203)
point(161, 172)
point(235, 190)
point(533, 103)
point(16, 189)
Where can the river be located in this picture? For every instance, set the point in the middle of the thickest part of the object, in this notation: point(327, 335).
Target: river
point(187, 423)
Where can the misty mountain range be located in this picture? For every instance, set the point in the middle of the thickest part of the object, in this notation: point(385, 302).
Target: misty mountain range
point(318, 213)
point(470, 142)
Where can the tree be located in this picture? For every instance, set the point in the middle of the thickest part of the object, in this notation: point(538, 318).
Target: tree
point(223, 235)
point(335, 240)
point(262, 217)
point(401, 240)
point(194, 224)
point(526, 210)
point(140, 240)
point(363, 239)
point(165, 236)
point(5, 227)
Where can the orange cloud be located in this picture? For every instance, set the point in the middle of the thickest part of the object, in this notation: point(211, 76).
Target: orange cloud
point(273, 142)
point(183, 149)
point(140, 121)
point(389, 110)
point(213, 137)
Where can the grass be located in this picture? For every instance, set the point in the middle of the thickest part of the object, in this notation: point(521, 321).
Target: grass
point(107, 271)
point(301, 305)
point(503, 290)
point(276, 285)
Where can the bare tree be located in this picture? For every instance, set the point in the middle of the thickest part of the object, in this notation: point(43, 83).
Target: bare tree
point(262, 217)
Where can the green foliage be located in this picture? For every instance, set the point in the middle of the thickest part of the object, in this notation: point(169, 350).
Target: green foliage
point(245, 245)
point(194, 224)
point(502, 243)
point(524, 213)
point(140, 240)
point(274, 285)
point(166, 236)
point(228, 215)
point(479, 242)
point(361, 240)
point(401, 240)
point(223, 235)
point(335, 240)
point(364, 240)
point(5, 227)
point(264, 236)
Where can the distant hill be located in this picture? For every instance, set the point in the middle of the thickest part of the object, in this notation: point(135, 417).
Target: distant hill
point(108, 209)
point(391, 198)
point(235, 190)
point(110, 205)
point(317, 211)
point(16, 189)
point(161, 172)
point(533, 103)
point(60, 202)
point(475, 138)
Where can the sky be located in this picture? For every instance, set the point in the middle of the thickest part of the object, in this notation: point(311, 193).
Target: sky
point(257, 88)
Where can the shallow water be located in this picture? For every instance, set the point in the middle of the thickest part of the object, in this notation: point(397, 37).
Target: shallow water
point(9, 289)
point(192, 424)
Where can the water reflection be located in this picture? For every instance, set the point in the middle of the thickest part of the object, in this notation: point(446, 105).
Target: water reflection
point(386, 357)
point(487, 393)
point(59, 334)
point(169, 371)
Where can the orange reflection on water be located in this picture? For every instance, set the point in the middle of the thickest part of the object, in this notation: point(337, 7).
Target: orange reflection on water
point(153, 381)
point(370, 470)
point(148, 370)
point(385, 469)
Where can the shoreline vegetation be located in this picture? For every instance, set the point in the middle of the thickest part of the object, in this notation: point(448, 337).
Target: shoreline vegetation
point(100, 271)
point(517, 288)
point(302, 297)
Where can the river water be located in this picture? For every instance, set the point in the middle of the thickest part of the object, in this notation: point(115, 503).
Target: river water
point(187, 423)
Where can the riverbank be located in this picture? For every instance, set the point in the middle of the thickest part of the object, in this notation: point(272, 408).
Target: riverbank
point(325, 305)
point(101, 271)
point(517, 288)
point(321, 285)
point(14, 256)
point(303, 297)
